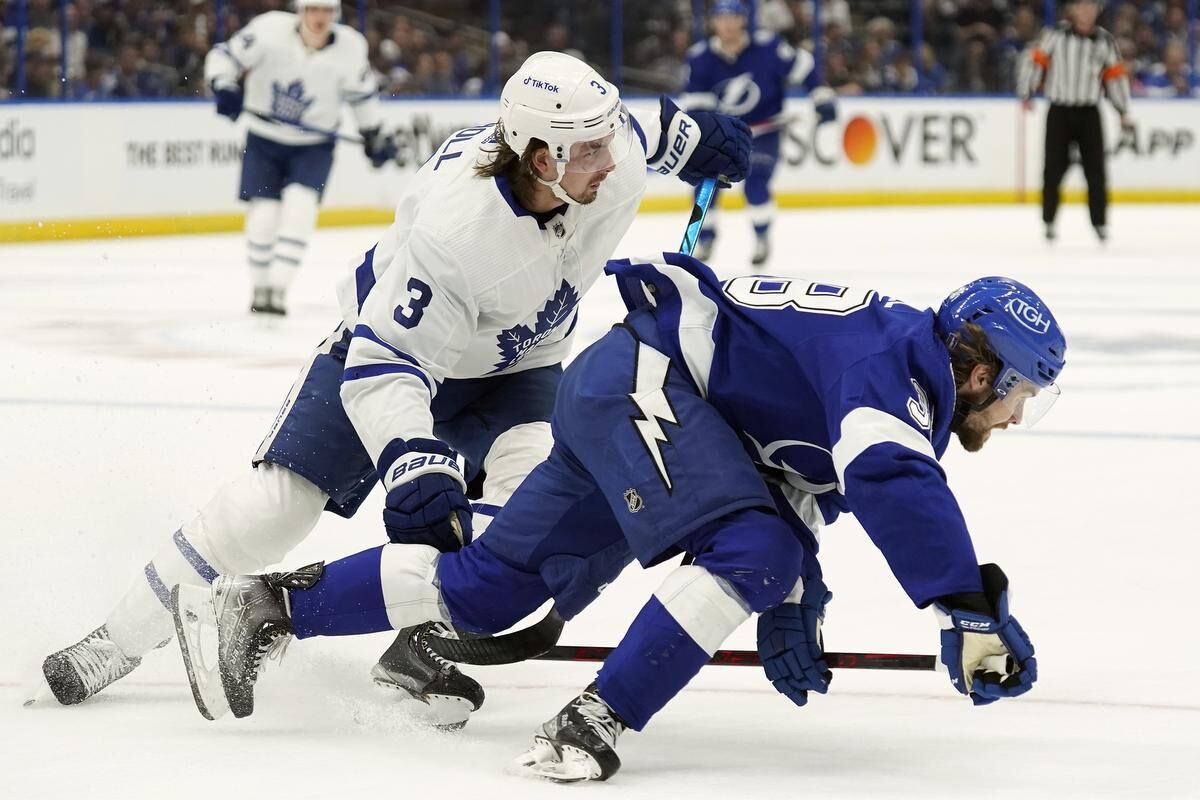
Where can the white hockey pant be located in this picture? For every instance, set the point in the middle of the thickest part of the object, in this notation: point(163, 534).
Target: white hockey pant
point(250, 523)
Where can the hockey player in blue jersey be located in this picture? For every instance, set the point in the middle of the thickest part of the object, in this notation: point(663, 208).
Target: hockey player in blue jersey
point(748, 76)
point(663, 431)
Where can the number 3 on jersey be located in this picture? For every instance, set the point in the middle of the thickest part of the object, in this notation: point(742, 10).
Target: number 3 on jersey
point(813, 298)
point(410, 314)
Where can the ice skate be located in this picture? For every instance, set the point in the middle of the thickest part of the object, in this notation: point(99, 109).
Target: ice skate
point(75, 673)
point(277, 304)
point(260, 301)
point(578, 744)
point(1101, 233)
point(762, 250)
point(1050, 233)
point(249, 616)
point(412, 667)
point(704, 249)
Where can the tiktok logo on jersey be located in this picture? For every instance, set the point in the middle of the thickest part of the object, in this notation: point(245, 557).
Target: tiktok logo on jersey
point(289, 103)
point(516, 342)
point(739, 95)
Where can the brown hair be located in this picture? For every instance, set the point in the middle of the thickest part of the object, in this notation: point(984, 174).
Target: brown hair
point(517, 170)
point(970, 349)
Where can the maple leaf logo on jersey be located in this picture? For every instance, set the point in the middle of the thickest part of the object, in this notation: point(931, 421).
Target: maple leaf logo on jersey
point(289, 103)
point(516, 342)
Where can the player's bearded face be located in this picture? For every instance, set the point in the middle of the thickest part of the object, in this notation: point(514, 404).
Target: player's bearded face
point(977, 428)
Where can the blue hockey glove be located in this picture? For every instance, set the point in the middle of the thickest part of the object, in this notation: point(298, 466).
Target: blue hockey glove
point(790, 645)
point(380, 149)
point(701, 145)
point(824, 104)
point(986, 652)
point(426, 495)
point(229, 101)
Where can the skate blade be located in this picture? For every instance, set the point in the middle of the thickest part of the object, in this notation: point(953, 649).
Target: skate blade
point(444, 712)
point(38, 692)
point(543, 760)
point(196, 621)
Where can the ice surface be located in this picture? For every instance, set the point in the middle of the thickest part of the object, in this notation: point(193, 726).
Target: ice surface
point(133, 382)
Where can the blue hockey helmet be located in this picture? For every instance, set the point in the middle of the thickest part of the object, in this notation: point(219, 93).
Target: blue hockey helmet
point(1019, 329)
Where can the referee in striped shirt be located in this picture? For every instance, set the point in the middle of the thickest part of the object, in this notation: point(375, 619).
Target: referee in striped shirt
point(1076, 62)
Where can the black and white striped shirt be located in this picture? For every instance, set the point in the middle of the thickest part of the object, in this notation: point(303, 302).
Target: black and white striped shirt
point(1075, 68)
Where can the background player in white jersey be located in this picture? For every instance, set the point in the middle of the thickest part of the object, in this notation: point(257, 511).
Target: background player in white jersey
point(748, 76)
point(298, 69)
point(444, 371)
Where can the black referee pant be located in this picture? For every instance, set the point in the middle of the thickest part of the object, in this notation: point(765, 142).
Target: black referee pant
point(1079, 124)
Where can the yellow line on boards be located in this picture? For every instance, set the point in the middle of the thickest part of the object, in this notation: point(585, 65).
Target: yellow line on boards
point(117, 227)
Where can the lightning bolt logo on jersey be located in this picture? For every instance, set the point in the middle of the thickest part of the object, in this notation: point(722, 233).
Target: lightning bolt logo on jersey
point(753, 84)
point(650, 396)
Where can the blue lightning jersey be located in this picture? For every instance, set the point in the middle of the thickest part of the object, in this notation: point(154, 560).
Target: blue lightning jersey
point(848, 394)
point(752, 85)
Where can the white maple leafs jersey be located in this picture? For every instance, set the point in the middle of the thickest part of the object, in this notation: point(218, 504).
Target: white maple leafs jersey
point(285, 79)
point(466, 283)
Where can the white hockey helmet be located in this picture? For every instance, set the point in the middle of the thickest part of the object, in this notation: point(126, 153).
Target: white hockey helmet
point(565, 103)
point(333, 5)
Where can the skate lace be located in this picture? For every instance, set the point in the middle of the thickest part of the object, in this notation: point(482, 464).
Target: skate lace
point(443, 664)
point(599, 717)
point(272, 649)
point(98, 662)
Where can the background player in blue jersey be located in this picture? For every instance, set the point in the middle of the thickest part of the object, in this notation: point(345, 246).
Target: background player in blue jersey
point(663, 430)
point(748, 76)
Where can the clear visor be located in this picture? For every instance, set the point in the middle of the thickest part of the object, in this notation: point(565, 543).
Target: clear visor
point(1025, 401)
point(605, 152)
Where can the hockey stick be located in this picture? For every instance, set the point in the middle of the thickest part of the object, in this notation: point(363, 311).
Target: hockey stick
point(708, 190)
point(306, 128)
point(749, 658)
point(508, 648)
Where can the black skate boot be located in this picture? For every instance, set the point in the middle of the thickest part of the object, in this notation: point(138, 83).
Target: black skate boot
point(260, 301)
point(277, 304)
point(762, 250)
point(411, 666)
point(75, 673)
point(576, 745)
point(253, 624)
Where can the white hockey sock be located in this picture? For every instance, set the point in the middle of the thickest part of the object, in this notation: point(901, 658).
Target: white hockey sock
point(297, 219)
point(262, 221)
point(513, 455)
point(250, 523)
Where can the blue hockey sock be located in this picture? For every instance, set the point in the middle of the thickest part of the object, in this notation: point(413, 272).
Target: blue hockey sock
point(654, 661)
point(347, 600)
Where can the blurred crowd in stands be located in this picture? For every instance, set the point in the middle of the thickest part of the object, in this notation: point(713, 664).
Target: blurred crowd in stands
point(156, 48)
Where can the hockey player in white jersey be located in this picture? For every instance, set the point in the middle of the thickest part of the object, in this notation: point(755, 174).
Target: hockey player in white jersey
point(298, 69)
point(444, 372)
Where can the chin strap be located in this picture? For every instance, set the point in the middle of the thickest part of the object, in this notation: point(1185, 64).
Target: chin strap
point(963, 407)
point(555, 187)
